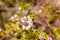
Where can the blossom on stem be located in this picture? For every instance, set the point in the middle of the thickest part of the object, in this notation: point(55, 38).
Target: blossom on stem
point(27, 20)
point(11, 18)
point(15, 15)
point(40, 11)
point(41, 38)
point(49, 38)
point(23, 19)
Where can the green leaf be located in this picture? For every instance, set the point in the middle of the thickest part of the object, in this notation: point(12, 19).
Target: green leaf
point(15, 26)
point(55, 31)
point(32, 16)
point(27, 5)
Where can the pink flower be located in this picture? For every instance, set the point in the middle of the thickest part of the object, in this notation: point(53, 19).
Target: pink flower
point(40, 11)
point(18, 22)
point(0, 29)
point(11, 18)
point(41, 38)
point(49, 38)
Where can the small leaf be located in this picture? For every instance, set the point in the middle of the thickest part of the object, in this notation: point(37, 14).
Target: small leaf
point(32, 16)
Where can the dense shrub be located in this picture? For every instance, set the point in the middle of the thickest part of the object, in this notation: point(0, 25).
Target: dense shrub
point(29, 20)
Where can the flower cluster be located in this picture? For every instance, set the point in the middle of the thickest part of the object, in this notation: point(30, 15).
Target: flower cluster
point(42, 38)
point(30, 22)
point(26, 22)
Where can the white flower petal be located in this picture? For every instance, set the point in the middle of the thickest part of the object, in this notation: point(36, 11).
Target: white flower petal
point(35, 30)
point(15, 15)
point(24, 17)
point(16, 33)
point(19, 8)
point(11, 18)
point(28, 17)
point(22, 20)
point(0, 29)
point(18, 28)
point(23, 35)
point(28, 27)
point(23, 26)
point(40, 11)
